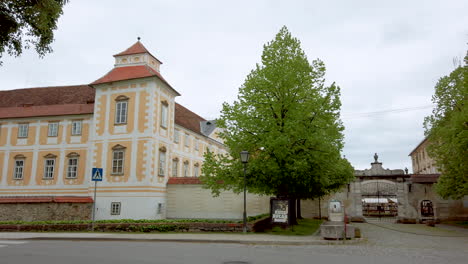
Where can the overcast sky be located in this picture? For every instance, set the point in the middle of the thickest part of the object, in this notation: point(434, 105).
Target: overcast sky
point(385, 55)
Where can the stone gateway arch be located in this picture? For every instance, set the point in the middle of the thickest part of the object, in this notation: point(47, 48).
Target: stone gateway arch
point(392, 195)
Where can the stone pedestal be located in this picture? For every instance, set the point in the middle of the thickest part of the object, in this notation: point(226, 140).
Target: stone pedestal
point(335, 230)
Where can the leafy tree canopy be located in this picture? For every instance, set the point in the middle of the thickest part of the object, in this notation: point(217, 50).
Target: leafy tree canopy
point(28, 23)
point(447, 132)
point(288, 120)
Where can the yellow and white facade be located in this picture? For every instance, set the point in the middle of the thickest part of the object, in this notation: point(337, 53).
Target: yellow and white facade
point(126, 122)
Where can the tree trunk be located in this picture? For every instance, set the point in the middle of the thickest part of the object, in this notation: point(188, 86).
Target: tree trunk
point(320, 210)
point(292, 211)
point(298, 210)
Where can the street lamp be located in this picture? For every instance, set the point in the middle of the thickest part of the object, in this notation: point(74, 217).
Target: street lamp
point(245, 159)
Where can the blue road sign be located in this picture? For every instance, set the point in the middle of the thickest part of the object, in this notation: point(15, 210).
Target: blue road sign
point(96, 174)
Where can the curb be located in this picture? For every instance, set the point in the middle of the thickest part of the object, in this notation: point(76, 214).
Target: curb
point(188, 240)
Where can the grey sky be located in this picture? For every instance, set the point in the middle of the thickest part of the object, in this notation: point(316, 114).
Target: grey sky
point(384, 55)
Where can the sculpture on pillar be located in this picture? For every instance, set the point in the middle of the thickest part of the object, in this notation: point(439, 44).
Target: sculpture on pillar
point(376, 157)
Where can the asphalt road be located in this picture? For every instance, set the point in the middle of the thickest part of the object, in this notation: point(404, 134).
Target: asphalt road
point(384, 246)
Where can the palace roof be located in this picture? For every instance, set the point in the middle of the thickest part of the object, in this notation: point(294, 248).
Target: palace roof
point(70, 100)
point(136, 48)
point(187, 119)
point(129, 73)
point(47, 101)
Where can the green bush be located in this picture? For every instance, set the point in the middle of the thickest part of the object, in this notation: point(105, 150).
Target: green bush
point(159, 228)
point(132, 221)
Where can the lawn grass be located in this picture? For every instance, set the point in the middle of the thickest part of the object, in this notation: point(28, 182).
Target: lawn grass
point(306, 227)
point(463, 224)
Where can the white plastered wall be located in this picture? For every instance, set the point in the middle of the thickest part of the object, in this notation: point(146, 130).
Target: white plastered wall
point(192, 201)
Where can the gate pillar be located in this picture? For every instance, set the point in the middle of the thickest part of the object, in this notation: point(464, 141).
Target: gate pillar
point(402, 196)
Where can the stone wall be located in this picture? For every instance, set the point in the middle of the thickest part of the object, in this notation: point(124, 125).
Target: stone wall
point(443, 209)
point(45, 211)
point(192, 201)
point(409, 203)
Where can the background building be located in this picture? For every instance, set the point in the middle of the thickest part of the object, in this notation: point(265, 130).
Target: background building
point(422, 163)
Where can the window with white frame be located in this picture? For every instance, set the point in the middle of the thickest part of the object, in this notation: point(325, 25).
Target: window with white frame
point(187, 140)
point(53, 129)
point(49, 166)
point(72, 168)
point(76, 127)
point(115, 208)
point(176, 135)
point(175, 167)
point(186, 169)
point(162, 162)
point(121, 110)
point(196, 170)
point(118, 159)
point(196, 144)
point(164, 114)
point(18, 172)
point(23, 130)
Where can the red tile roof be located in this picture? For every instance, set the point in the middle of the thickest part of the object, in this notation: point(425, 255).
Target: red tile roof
point(47, 101)
point(184, 180)
point(187, 118)
point(424, 178)
point(130, 72)
point(136, 48)
point(46, 199)
point(53, 95)
point(46, 110)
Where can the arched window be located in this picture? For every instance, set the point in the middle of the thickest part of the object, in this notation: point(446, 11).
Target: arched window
point(162, 161)
point(72, 168)
point(118, 159)
point(49, 166)
point(175, 167)
point(186, 168)
point(18, 172)
point(196, 170)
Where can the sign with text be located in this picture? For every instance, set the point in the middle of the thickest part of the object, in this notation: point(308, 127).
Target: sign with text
point(279, 211)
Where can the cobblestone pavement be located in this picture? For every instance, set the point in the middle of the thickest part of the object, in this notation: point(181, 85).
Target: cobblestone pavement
point(398, 243)
point(383, 243)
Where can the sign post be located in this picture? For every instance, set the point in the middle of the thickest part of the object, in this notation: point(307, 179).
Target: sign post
point(96, 175)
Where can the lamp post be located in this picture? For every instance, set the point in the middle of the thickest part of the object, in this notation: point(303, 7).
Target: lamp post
point(245, 159)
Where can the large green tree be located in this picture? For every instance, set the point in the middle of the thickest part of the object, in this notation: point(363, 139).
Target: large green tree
point(28, 23)
point(288, 120)
point(447, 132)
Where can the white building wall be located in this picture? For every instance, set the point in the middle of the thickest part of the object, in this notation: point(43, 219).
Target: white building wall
point(193, 201)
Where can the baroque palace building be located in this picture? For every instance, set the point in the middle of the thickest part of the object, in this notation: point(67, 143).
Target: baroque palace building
point(126, 122)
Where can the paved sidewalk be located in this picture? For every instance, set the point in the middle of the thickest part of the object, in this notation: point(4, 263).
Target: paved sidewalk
point(262, 239)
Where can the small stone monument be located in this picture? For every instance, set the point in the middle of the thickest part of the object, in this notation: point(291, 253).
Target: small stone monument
point(335, 227)
point(335, 211)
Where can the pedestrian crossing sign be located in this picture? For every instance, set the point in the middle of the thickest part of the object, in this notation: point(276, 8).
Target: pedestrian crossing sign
point(96, 174)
